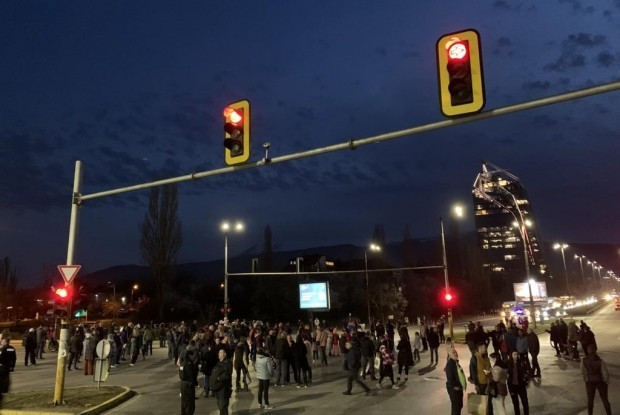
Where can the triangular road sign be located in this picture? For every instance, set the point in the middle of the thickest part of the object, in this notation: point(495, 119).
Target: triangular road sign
point(68, 272)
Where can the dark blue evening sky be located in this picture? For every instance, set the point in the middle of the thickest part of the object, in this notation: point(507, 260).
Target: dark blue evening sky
point(135, 90)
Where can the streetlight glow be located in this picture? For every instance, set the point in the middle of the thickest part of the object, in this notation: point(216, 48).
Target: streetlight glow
point(375, 247)
point(532, 281)
point(459, 211)
point(239, 227)
point(528, 223)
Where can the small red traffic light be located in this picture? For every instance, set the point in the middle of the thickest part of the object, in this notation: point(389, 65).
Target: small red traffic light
point(62, 292)
point(457, 50)
point(232, 115)
point(448, 297)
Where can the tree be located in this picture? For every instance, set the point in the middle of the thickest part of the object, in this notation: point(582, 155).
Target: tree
point(388, 299)
point(8, 280)
point(112, 307)
point(161, 239)
point(267, 264)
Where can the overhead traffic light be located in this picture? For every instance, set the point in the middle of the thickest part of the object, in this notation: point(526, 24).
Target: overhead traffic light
point(459, 72)
point(237, 128)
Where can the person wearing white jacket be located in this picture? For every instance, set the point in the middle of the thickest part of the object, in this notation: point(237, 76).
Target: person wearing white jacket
point(417, 346)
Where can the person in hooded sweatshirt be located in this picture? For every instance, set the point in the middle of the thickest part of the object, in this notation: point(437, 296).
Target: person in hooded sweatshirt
point(265, 368)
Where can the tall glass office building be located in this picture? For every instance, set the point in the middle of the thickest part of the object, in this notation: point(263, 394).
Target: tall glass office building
point(507, 230)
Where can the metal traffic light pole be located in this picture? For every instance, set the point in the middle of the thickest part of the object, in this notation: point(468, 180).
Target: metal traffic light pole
point(73, 231)
point(445, 274)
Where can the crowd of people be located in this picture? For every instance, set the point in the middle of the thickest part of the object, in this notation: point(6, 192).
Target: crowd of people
point(509, 369)
point(286, 354)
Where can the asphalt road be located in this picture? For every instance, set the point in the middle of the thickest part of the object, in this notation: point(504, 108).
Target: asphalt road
point(561, 390)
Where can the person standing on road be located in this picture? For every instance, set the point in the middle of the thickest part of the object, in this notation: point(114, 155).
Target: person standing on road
point(89, 353)
point(30, 342)
point(573, 336)
point(522, 345)
point(555, 337)
point(301, 361)
point(387, 360)
point(417, 346)
point(321, 338)
point(75, 346)
point(368, 355)
point(242, 355)
point(188, 372)
point(455, 382)
point(265, 368)
point(433, 344)
point(41, 335)
point(221, 381)
point(352, 364)
point(280, 357)
point(149, 336)
point(533, 345)
point(405, 355)
point(518, 377)
point(480, 373)
point(596, 377)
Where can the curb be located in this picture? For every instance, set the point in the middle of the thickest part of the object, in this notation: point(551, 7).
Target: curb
point(110, 403)
point(102, 407)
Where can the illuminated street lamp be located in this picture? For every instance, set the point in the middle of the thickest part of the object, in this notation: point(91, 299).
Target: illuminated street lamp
point(562, 247)
point(375, 248)
point(134, 288)
point(226, 227)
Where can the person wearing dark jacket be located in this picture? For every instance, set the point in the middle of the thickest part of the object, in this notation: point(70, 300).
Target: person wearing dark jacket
point(30, 342)
point(208, 360)
point(587, 338)
point(367, 348)
point(7, 365)
point(405, 355)
point(188, 372)
point(75, 347)
point(352, 364)
point(242, 355)
point(533, 345)
point(455, 381)
point(300, 354)
point(518, 376)
point(281, 355)
point(221, 382)
point(555, 337)
point(563, 337)
point(433, 344)
point(596, 377)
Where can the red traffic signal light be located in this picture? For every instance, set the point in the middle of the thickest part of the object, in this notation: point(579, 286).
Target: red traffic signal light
point(61, 294)
point(237, 129)
point(459, 70)
point(448, 297)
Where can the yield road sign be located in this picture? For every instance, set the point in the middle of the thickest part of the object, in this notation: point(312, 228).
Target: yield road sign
point(68, 272)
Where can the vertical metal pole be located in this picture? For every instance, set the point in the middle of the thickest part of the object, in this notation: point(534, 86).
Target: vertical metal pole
point(527, 272)
point(445, 274)
point(565, 271)
point(367, 288)
point(73, 230)
point(583, 277)
point(225, 275)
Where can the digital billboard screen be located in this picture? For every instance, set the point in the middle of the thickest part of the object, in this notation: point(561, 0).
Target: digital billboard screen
point(314, 295)
point(522, 292)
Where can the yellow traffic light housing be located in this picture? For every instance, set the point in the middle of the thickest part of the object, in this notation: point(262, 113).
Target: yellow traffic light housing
point(237, 128)
point(459, 72)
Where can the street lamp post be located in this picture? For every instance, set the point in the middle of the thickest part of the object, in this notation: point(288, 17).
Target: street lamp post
point(581, 258)
point(226, 228)
point(376, 248)
point(133, 288)
point(562, 247)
